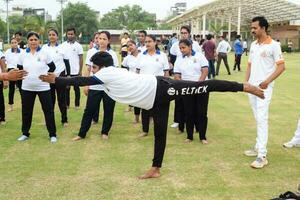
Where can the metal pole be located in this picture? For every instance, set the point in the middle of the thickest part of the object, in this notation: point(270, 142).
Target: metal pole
point(7, 21)
point(239, 20)
point(62, 22)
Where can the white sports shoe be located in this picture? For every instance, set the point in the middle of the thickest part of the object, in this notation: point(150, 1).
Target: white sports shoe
point(251, 152)
point(23, 138)
point(53, 139)
point(259, 163)
point(175, 125)
point(291, 144)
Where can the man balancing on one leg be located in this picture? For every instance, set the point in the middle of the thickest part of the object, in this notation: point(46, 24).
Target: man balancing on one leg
point(147, 92)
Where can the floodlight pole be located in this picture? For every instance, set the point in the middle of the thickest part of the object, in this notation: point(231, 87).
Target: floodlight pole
point(7, 22)
point(62, 18)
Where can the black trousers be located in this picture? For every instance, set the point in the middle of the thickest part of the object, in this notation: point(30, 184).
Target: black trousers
point(61, 98)
point(195, 108)
point(137, 111)
point(168, 90)
point(77, 94)
point(237, 62)
point(222, 56)
point(92, 105)
point(146, 114)
point(28, 99)
point(211, 67)
point(179, 113)
point(2, 104)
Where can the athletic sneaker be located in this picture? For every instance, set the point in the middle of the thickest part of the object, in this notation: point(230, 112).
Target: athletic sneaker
point(251, 152)
point(291, 144)
point(23, 138)
point(259, 163)
point(53, 139)
point(175, 125)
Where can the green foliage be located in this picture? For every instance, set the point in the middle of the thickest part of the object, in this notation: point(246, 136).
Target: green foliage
point(129, 18)
point(16, 24)
point(2, 28)
point(81, 17)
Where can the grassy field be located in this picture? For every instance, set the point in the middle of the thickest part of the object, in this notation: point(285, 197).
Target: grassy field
point(97, 169)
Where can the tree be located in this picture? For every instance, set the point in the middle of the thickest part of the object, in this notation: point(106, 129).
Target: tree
point(2, 29)
point(128, 18)
point(81, 17)
point(16, 23)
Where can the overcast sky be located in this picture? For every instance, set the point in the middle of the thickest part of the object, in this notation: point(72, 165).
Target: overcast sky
point(160, 7)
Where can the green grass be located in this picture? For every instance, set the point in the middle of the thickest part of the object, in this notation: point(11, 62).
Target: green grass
point(97, 169)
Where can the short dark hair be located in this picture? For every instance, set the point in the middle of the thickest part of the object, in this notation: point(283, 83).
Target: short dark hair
point(174, 34)
point(187, 28)
point(144, 32)
point(125, 33)
point(71, 29)
point(209, 36)
point(102, 59)
point(238, 37)
point(33, 34)
point(262, 21)
point(19, 33)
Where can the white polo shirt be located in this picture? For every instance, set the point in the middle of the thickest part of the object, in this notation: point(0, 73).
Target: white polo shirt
point(263, 59)
point(141, 48)
point(35, 65)
point(153, 64)
point(2, 56)
point(57, 55)
point(175, 50)
point(72, 51)
point(12, 58)
point(189, 67)
point(89, 55)
point(126, 87)
point(223, 47)
point(131, 62)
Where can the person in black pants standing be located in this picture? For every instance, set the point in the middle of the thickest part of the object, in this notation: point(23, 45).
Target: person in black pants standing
point(74, 62)
point(56, 53)
point(2, 82)
point(148, 92)
point(36, 62)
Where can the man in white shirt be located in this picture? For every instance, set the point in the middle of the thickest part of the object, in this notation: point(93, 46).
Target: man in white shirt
point(74, 62)
point(222, 50)
point(265, 64)
point(245, 47)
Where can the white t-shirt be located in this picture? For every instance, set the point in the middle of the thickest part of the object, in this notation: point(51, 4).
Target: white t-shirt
point(12, 58)
point(175, 50)
point(126, 87)
point(142, 49)
point(190, 67)
point(245, 45)
point(263, 59)
point(57, 55)
point(131, 62)
point(35, 65)
point(88, 62)
point(223, 47)
point(153, 64)
point(72, 52)
point(1, 57)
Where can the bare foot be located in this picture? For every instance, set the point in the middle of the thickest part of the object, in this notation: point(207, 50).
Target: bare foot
point(254, 90)
point(188, 141)
point(77, 138)
point(204, 141)
point(65, 124)
point(143, 134)
point(152, 173)
point(104, 137)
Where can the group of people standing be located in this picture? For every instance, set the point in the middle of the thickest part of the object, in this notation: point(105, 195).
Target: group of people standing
point(190, 89)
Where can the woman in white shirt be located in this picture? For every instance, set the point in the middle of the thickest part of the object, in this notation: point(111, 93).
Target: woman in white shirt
point(193, 66)
point(36, 62)
point(130, 62)
point(57, 55)
point(153, 62)
point(12, 57)
point(96, 93)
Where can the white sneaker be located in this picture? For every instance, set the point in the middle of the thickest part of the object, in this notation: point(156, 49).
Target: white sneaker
point(23, 138)
point(175, 125)
point(291, 144)
point(251, 152)
point(53, 139)
point(259, 163)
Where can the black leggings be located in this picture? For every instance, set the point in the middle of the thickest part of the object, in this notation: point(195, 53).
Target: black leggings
point(168, 90)
point(2, 105)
